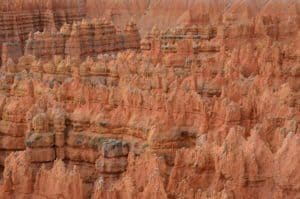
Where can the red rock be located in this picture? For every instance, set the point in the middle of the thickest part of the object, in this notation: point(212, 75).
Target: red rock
point(200, 99)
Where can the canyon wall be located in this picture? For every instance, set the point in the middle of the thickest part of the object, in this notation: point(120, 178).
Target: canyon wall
point(18, 18)
point(166, 14)
point(181, 105)
point(82, 39)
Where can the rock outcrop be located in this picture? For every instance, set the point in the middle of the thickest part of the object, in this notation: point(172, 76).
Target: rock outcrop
point(82, 39)
point(20, 17)
point(207, 107)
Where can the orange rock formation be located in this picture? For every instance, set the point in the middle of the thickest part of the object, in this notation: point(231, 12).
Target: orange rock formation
point(200, 99)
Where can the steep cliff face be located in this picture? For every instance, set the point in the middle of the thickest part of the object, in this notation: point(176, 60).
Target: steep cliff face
point(82, 39)
point(20, 17)
point(207, 109)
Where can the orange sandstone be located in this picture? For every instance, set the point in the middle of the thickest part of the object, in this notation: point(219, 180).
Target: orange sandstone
point(150, 99)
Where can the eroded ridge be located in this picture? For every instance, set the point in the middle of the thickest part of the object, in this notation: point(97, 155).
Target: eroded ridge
point(208, 108)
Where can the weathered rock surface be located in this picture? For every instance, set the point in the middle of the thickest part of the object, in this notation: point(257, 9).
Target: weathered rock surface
point(20, 17)
point(200, 99)
point(82, 39)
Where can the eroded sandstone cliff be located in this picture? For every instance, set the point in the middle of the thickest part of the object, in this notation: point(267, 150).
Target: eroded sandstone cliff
point(18, 18)
point(200, 99)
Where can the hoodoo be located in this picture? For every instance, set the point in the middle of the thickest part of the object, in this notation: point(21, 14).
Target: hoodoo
point(139, 99)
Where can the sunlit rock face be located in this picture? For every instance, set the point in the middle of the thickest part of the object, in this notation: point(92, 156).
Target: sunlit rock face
point(149, 99)
point(82, 39)
point(21, 17)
